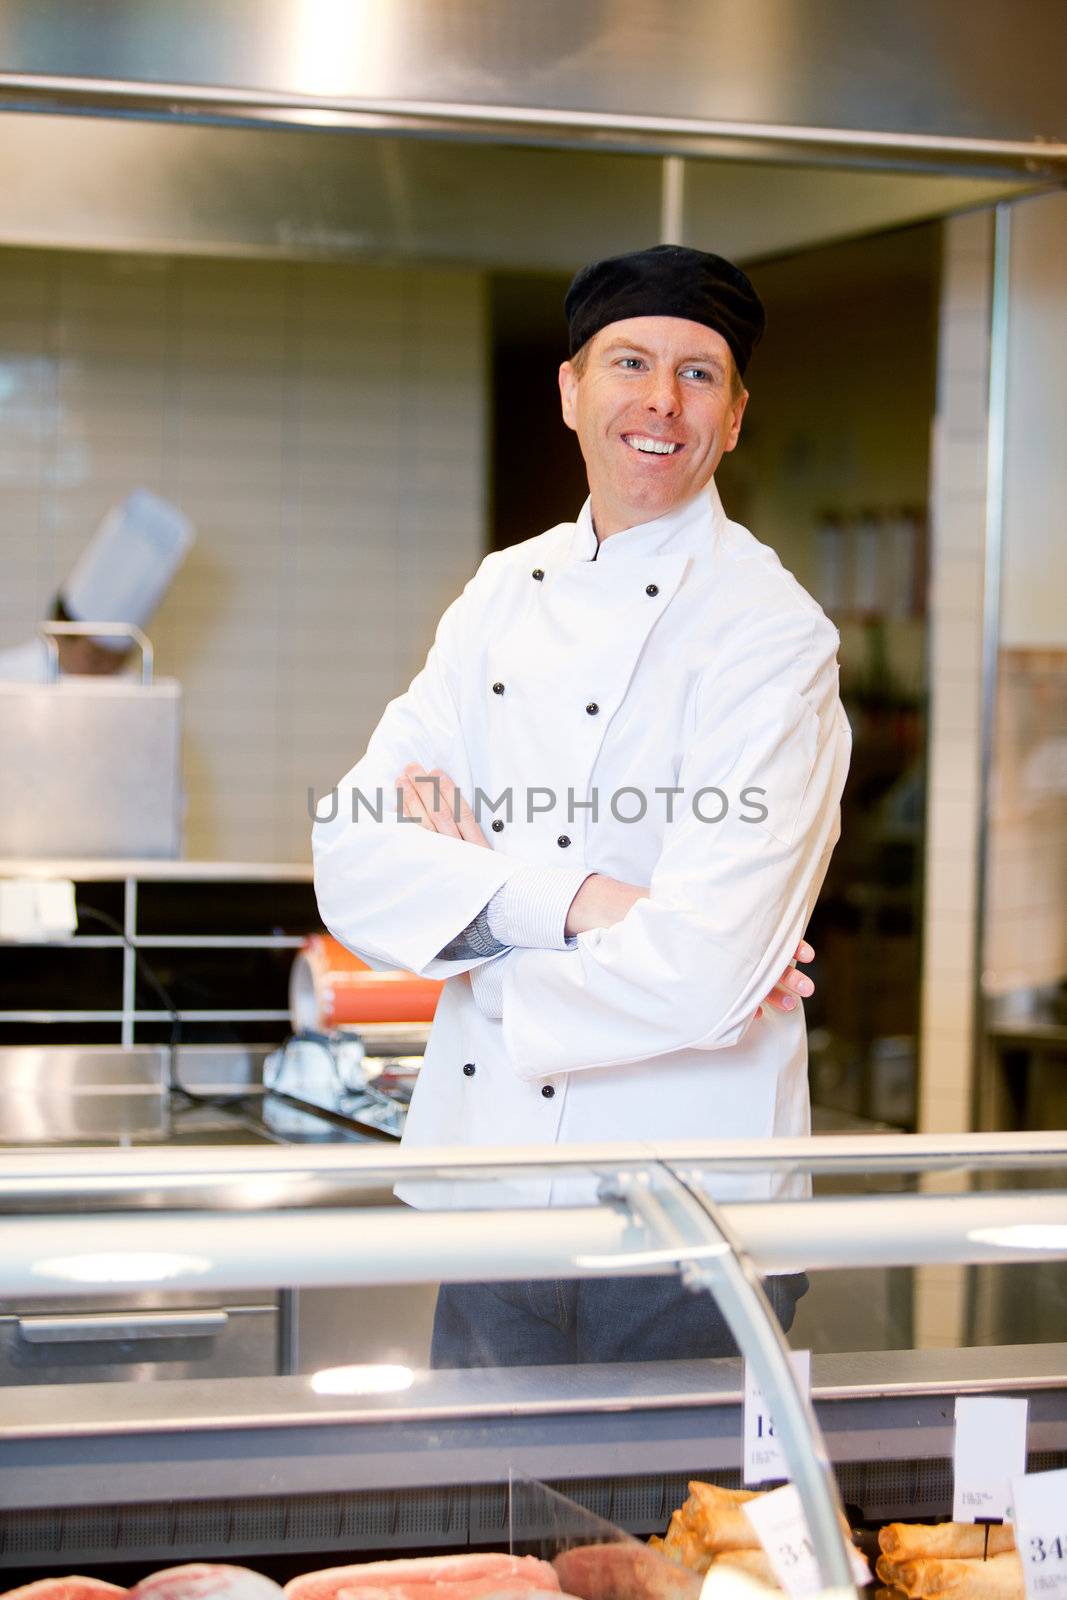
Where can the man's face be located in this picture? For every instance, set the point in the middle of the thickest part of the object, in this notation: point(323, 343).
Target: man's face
point(654, 411)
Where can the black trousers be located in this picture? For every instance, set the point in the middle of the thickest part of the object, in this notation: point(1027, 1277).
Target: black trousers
point(558, 1322)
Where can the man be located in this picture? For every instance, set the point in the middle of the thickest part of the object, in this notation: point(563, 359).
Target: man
point(121, 576)
point(647, 703)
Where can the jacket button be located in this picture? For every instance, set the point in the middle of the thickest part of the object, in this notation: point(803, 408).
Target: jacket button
point(468, 1069)
point(592, 708)
point(538, 573)
point(498, 688)
point(652, 588)
point(548, 1091)
point(563, 841)
point(498, 826)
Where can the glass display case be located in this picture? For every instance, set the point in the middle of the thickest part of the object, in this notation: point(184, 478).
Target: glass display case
point(936, 1268)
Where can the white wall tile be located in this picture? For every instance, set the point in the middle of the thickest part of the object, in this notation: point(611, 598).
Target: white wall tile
point(958, 477)
point(322, 425)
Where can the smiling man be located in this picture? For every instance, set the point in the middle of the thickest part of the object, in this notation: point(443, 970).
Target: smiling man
point(617, 783)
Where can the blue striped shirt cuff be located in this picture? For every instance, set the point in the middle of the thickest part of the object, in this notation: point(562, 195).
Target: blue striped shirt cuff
point(530, 910)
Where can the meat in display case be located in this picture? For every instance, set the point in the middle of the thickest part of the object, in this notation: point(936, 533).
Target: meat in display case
point(937, 1269)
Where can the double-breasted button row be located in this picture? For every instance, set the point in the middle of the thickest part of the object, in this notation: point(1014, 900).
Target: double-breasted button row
point(592, 708)
point(538, 575)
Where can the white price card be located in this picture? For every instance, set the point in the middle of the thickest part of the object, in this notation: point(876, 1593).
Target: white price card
point(1040, 1503)
point(990, 1450)
point(763, 1454)
point(782, 1530)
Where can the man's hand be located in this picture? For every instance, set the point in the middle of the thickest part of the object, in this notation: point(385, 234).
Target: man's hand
point(783, 997)
point(603, 901)
point(432, 799)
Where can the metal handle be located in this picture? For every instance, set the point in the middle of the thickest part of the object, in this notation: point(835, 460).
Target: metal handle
point(101, 1326)
point(710, 1259)
point(50, 631)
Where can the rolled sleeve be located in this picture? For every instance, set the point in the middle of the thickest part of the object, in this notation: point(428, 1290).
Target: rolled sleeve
point(531, 908)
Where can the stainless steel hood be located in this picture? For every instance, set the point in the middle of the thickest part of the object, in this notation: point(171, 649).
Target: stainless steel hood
point(75, 182)
point(500, 133)
point(918, 72)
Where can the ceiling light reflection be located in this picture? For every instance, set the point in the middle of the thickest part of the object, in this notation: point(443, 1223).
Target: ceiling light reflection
point(1023, 1236)
point(652, 1258)
point(376, 1378)
point(120, 1266)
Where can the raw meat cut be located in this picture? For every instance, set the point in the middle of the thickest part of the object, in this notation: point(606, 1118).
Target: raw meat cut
point(72, 1588)
point(624, 1571)
point(463, 1577)
point(204, 1580)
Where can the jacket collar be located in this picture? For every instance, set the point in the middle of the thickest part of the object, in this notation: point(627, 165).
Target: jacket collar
point(690, 529)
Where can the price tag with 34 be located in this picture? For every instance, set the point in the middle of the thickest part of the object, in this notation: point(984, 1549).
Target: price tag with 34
point(1040, 1502)
point(782, 1529)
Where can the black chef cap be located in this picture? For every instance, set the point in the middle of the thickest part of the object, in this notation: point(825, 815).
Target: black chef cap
point(667, 281)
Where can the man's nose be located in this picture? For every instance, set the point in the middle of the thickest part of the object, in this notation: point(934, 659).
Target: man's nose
point(663, 395)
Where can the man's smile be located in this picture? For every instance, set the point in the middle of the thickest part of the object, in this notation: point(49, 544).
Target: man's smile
point(646, 445)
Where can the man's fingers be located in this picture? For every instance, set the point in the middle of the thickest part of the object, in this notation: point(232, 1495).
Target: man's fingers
point(468, 825)
point(438, 792)
point(804, 952)
point(784, 995)
point(435, 801)
point(461, 818)
point(412, 803)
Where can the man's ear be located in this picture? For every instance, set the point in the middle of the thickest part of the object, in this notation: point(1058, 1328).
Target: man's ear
point(568, 385)
point(738, 409)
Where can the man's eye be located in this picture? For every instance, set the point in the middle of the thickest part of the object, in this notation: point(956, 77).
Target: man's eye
point(695, 372)
point(630, 361)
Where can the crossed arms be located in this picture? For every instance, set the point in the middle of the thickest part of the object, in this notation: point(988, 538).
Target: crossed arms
point(613, 972)
point(434, 801)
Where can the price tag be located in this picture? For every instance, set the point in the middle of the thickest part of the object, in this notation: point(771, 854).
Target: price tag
point(1040, 1505)
point(990, 1451)
point(782, 1529)
point(763, 1454)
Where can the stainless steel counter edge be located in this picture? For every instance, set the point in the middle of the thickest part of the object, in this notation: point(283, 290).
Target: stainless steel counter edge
point(112, 1409)
point(96, 869)
point(829, 1152)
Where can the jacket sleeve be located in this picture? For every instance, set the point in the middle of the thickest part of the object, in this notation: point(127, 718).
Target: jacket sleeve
point(387, 888)
point(729, 899)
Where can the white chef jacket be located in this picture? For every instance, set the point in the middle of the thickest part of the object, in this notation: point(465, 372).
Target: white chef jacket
point(679, 654)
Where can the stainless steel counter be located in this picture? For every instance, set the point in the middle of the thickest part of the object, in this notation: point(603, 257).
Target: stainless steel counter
point(171, 1470)
point(103, 1097)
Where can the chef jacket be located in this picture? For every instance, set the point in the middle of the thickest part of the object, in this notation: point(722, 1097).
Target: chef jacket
point(679, 655)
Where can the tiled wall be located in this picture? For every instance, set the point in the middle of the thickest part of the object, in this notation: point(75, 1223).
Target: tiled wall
point(957, 554)
point(1026, 916)
point(957, 557)
point(323, 426)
